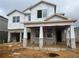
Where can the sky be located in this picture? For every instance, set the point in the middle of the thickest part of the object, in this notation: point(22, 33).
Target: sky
point(69, 7)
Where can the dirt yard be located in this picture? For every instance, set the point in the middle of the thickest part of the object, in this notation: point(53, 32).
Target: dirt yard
point(15, 50)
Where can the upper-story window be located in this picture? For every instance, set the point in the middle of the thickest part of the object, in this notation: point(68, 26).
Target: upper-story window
point(44, 12)
point(41, 13)
point(16, 19)
point(29, 17)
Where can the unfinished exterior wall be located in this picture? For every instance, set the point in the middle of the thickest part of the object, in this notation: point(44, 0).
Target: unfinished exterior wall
point(50, 40)
point(64, 36)
point(46, 40)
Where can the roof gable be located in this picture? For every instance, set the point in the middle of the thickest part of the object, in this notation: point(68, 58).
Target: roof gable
point(56, 17)
point(14, 11)
point(40, 3)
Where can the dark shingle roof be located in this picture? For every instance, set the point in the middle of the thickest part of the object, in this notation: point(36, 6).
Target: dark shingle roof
point(3, 17)
point(14, 11)
point(39, 3)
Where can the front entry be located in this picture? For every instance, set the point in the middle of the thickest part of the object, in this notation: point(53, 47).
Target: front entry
point(59, 35)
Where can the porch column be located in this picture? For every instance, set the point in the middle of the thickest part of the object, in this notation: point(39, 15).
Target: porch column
point(9, 36)
point(72, 35)
point(41, 37)
point(68, 37)
point(20, 36)
point(25, 38)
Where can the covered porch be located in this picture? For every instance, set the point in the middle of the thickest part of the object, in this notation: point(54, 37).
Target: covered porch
point(49, 34)
point(52, 35)
point(15, 35)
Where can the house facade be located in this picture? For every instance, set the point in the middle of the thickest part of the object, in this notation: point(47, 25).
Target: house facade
point(40, 24)
point(3, 29)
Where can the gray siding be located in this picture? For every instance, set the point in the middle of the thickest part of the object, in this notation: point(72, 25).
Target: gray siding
point(77, 35)
point(3, 29)
point(3, 36)
point(3, 24)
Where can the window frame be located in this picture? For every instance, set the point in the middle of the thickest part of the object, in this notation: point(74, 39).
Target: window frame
point(44, 12)
point(39, 13)
point(16, 19)
point(13, 18)
point(29, 17)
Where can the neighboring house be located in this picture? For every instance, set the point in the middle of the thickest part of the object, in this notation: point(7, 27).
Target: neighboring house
point(40, 24)
point(77, 34)
point(3, 29)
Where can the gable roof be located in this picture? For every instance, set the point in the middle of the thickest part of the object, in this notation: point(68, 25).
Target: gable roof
point(56, 14)
point(14, 11)
point(3, 17)
point(26, 9)
point(40, 3)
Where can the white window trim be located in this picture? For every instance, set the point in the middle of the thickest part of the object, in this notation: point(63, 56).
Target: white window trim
point(16, 19)
point(43, 13)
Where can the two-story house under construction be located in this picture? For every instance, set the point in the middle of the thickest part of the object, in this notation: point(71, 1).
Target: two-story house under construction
point(41, 25)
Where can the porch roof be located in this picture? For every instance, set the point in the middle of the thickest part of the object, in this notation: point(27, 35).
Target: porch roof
point(38, 22)
point(48, 23)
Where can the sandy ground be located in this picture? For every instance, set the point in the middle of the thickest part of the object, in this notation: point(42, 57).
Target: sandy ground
point(15, 50)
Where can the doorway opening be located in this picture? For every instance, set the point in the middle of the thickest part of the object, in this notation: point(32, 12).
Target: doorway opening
point(15, 37)
point(58, 35)
point(28, 36)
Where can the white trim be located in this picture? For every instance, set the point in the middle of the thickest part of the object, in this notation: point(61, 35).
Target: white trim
point(48, 24)
point(68, 36)
point(25, 38)
point(9, 36)
point(20, 36)
point(41, 32)
point(72, 35)
point(25, 33)
point(41, 37)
